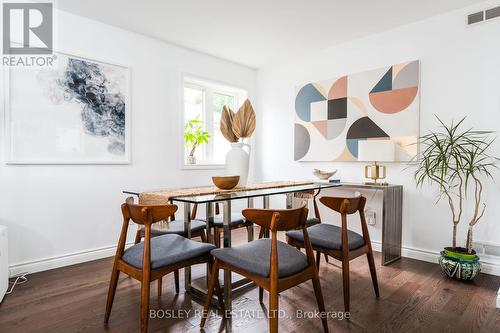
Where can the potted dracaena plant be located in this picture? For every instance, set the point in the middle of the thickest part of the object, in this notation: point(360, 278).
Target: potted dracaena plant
point(194, 136)
point(458, 161)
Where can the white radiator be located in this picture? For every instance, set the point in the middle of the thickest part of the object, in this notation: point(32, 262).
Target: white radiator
point(4, 262)
point(498, 299)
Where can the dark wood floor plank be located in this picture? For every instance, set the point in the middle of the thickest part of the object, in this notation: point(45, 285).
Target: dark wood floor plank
point(481, 306)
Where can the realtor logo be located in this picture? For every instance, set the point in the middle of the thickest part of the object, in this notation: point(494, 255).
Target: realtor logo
point(27, 28)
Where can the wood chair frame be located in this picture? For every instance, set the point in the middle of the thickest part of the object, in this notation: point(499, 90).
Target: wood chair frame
point(306, 195)
point(146, 215)
point(198, 233)
point(347, 206)
point(275, 220)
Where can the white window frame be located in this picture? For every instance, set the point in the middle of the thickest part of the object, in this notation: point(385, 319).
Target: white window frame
point(209, 88)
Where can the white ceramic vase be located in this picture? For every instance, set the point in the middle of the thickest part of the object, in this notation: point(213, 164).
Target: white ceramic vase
point(237, 161)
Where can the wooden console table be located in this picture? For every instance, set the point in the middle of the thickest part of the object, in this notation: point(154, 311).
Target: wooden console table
point(392, 218)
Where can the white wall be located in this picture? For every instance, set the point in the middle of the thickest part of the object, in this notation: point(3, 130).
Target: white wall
point(460, 76)
point(60, 214)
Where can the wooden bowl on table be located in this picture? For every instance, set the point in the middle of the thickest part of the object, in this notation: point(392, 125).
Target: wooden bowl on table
point(225, 182)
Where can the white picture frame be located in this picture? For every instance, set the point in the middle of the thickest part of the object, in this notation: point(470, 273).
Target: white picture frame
point(75, 143)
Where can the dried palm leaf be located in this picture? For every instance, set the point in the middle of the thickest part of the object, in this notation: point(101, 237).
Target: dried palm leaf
point(226, 124)
point(244, 121)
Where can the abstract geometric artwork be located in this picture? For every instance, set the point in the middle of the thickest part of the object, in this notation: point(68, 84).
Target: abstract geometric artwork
point(331, 117)
point(77, 112)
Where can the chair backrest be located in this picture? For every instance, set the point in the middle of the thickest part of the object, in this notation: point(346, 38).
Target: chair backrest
point(146, 214)
point(130, 200)
point(281, 220)
point(278, 219)
point(344, 205)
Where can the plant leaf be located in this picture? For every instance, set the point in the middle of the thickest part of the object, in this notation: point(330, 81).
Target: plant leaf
point(244, 121)
point(226, 124)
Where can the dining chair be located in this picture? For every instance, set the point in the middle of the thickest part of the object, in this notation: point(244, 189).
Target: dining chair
point(340, 242)
point(273, 265)
point(154, 257)
point(172, 226)
point(305, 196)
point(237, 221)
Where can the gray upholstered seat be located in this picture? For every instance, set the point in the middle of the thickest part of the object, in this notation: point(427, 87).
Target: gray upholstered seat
point(328, 236)
point(236, 219)
point(174, 227)
point(166, 250)
point(312, 221)
point(254, 257)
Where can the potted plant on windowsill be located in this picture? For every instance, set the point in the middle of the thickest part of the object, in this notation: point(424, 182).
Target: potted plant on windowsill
point(194, 136)
point(458, 162)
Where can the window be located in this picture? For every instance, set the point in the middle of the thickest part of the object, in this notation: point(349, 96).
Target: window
point(203, 103)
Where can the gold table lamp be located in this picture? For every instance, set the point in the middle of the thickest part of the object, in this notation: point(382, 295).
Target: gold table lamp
point(374, 150)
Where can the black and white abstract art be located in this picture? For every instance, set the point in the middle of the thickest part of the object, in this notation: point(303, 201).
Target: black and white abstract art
point(76, 111)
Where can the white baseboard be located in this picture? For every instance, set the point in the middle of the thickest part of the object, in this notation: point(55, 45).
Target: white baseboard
point(45, 264)
point(489, 264)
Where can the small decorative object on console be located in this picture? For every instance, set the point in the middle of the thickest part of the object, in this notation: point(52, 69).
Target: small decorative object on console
point(324, 174)
point(376, 151)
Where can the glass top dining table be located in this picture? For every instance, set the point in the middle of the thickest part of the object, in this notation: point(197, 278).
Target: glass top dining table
point(245, 194)
point(226, 199)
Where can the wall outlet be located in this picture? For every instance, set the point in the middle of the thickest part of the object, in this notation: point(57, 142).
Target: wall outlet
point(370, 215)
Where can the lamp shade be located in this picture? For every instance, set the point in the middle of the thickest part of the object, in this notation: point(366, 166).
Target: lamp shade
point(376, 150)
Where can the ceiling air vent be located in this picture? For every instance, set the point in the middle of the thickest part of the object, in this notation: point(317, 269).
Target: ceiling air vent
point(492, 13)
point(475, 18)
point(483, 15)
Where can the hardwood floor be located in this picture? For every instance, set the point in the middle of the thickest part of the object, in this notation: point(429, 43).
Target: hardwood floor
point(415, 297)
